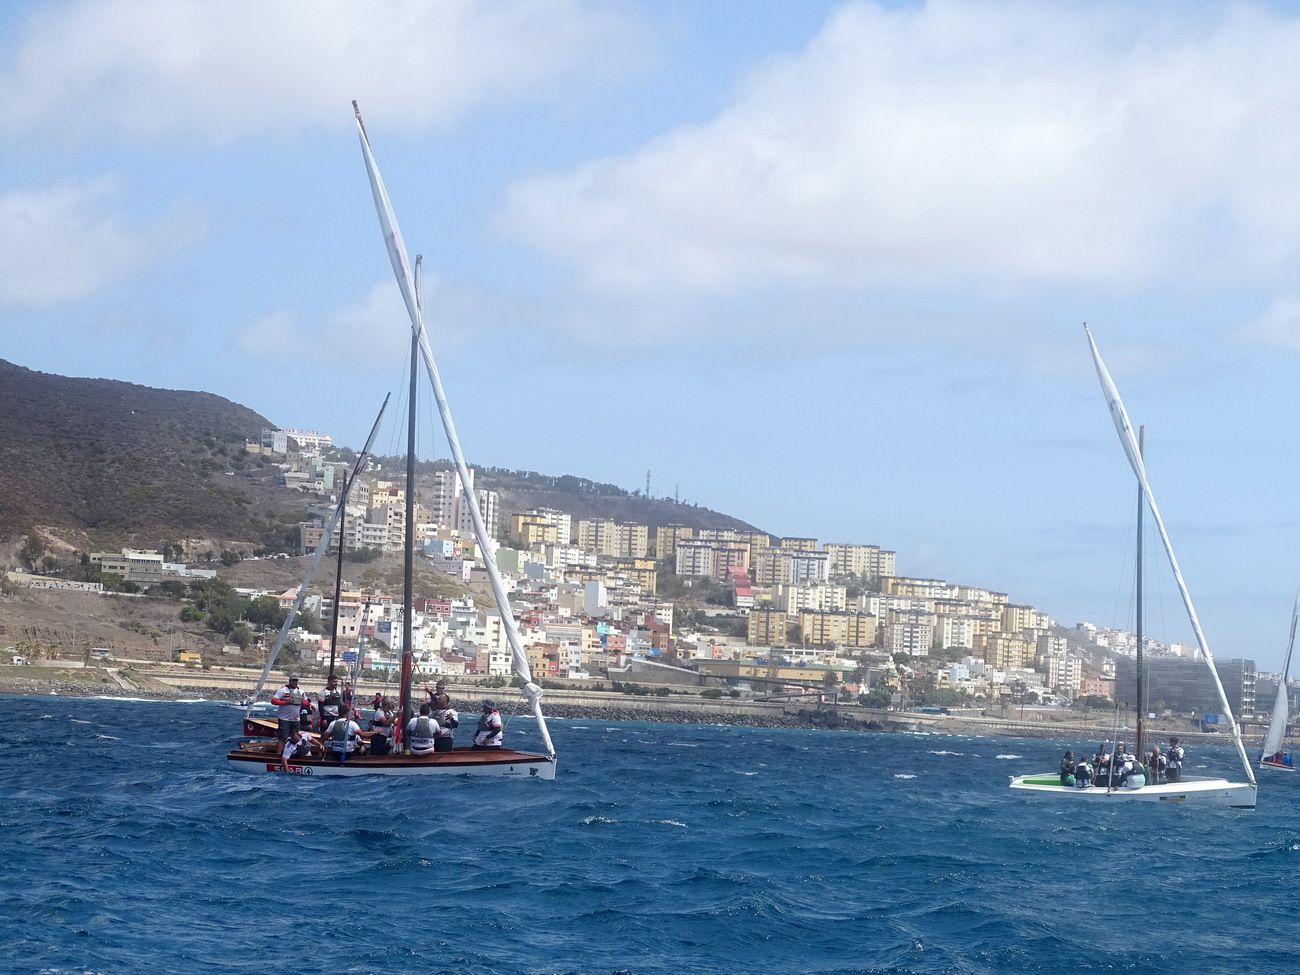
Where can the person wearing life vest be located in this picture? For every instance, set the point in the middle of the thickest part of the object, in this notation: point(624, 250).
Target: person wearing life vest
point(342, 737)
point(1157, 765)
point(1082, 774)
point(288, 701)
point(307, 714)
point(1101, 765)
point(347, 696)
point(1174, 761)
point(381, 726)
point(297, 745)
point(490, 730)
point(448, 721)
point(422, 732)
point(1067, 769)
point(331, 702)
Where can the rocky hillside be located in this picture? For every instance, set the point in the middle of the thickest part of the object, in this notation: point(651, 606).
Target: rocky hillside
point(99, 457)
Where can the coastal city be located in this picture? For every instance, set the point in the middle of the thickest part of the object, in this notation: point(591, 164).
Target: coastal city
point(731, 611)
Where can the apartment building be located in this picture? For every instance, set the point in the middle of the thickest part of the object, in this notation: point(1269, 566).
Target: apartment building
point(845, 629)
point(767, 627)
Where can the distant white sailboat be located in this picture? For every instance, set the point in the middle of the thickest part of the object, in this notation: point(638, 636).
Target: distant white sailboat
point(1274, 756)
point(1200, 790)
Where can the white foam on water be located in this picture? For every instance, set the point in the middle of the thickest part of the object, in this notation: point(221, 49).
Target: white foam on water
point(107, 738)
point(591, 820)
point(671, 822)
point(903, 775)
point(81, 721)
point(1008, 756)
point(943, 752)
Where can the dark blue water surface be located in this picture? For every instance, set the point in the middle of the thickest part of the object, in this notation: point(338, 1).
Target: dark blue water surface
point(128, 846)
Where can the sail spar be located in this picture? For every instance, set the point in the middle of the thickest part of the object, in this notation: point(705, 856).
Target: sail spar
point(406, 284)
point(1125, 429)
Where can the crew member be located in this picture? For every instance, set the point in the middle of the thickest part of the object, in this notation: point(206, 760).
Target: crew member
point(448, 721)
point(490, 730)
point(1156, 765)
point(342, 737)
point(1082, 774)
point(297, 745)
point(288, 701)
point(330, 702)
point(1101, 765)
point(422, 732)
point(1174, 762)
point(1067, 769)
point(381, 724)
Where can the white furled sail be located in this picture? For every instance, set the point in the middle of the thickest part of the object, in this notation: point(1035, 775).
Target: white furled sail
point(410, 295)
point(1277, 726)
point(327, 534)
point(1125, 429)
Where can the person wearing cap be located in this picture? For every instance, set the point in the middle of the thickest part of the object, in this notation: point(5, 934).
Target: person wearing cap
point(288, 700)
point(490, 730)
point(297, 745)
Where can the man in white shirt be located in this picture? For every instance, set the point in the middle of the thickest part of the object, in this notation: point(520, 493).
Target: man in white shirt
point(445, 736)
point(288, 702)
point(297, 745)
point(422, 732)
point(342, 737)
point(381, 742)
point(490, 730)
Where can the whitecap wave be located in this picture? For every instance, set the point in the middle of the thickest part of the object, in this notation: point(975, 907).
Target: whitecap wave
point(81, 721)
point(1003, 757)
point(945, 752)
point(903, 775)
point(592, 820)
point(107, 738)
point(672, 822)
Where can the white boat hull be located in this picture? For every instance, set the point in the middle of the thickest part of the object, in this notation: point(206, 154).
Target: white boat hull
point(1277, 768)
point(1193, 789)
point(516, 765)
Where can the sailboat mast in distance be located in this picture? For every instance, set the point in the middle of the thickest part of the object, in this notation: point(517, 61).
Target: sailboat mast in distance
point(1141, 701)
point(408, 566)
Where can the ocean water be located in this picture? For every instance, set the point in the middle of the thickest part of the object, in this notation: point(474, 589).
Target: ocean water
point(128, 846)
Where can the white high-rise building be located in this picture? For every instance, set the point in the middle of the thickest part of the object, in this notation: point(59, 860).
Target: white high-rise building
point(453, 510)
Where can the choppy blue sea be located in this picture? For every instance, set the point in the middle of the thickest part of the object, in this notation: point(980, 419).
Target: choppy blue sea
point(128, 846)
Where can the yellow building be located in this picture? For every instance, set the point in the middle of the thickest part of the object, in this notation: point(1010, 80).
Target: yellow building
point(666, 539)
point(767, 628)
point(799, 544)
point(532, 529)
point(845, 629)
point(1006, 651)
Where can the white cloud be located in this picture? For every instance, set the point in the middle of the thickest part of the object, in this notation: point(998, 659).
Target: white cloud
point(1278, 326)
point(371, 333)
point(65, 242)
point(222, 70)
point(995, 144)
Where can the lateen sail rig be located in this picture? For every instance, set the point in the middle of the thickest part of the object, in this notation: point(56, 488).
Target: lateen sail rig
point(1125, 429)
point(1277, 726)
point(406, 284)
point(326, 535)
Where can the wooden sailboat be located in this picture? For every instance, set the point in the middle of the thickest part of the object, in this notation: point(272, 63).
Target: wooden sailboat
point(502, 762)
point(1274, 756)
point(1199, 790)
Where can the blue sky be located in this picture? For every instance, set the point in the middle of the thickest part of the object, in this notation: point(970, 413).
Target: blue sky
point(822, 266)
